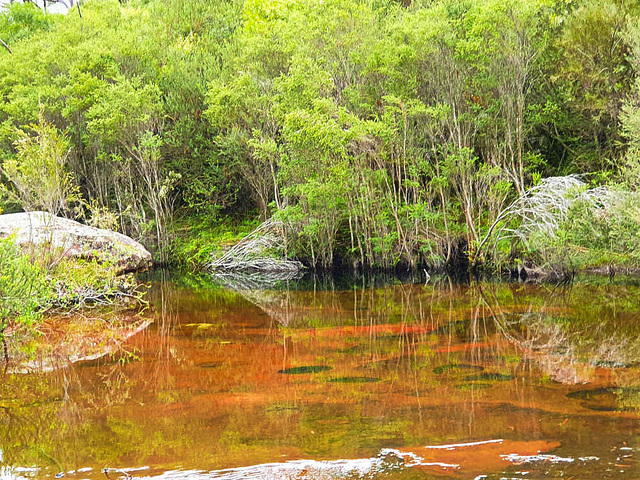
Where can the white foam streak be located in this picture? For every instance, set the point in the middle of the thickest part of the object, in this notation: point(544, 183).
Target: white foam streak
point(277, 470)
point(515, 458)
point(17, 473)
point(453, 446)
point(318, 469)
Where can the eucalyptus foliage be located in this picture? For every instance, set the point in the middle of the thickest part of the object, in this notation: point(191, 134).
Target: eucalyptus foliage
point(378, 132)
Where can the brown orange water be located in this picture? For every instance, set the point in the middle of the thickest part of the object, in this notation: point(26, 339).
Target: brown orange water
point(325, 381)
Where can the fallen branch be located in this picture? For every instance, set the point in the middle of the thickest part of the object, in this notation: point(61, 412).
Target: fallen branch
point(5, 45)
point(260, 251)
point(543, 208)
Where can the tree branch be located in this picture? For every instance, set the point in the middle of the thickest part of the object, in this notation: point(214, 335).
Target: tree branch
point(5, 45)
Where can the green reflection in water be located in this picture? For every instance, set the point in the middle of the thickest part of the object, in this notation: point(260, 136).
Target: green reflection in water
point(474, 386)
point(213, 402)
point(457, 368)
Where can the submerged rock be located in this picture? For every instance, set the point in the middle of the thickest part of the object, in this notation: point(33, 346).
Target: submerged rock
point(76, 339)
point(608, 399)
point(304, 369)
point(354, 380)
point(75, 240)
point(492, 377)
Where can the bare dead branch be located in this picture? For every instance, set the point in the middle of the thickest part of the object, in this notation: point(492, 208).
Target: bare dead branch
point(543, 208)
point(5, 45)
point(260, 251)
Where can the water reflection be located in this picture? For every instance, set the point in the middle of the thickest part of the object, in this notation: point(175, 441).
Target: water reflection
point(236, 383)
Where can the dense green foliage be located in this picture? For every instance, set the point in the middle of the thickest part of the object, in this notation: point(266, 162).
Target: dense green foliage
point(380, 132)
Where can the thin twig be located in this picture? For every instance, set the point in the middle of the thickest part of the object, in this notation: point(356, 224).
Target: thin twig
point(260, 251)
point(5, 45)
point(544, 207)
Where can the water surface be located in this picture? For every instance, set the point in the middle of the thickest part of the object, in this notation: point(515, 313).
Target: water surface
point(334, 380)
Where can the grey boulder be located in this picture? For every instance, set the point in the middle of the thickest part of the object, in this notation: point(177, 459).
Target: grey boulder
point(75, 240)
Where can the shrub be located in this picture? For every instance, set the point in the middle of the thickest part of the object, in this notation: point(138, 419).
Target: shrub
point(24, 287)
point(38, 175)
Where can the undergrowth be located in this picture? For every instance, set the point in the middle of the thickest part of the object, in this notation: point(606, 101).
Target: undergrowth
point(198, 238)
point(35, 281)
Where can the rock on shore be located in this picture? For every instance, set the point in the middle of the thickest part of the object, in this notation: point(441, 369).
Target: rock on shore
point(73, 239)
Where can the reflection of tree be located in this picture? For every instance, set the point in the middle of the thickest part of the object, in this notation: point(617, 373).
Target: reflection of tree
point(566, 329)
point(562, 331)
point(54, 390)
point(267, 290)
point(442, 359)
point(38, 413)
point(629, 398)
point(159, 346)
point(79, 337)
